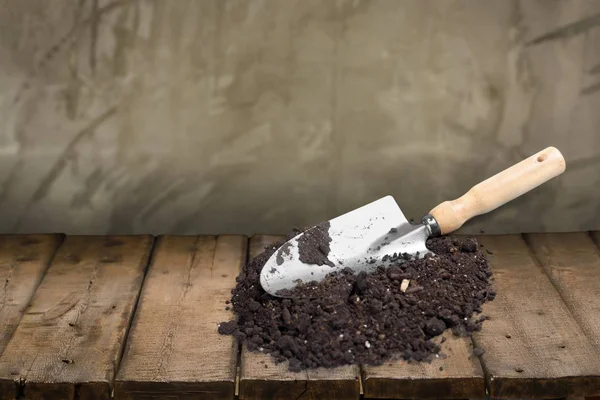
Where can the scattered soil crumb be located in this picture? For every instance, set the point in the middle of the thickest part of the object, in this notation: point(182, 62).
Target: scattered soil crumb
point(363, 318)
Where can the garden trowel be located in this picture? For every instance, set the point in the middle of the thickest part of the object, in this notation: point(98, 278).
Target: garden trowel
point(378, 232)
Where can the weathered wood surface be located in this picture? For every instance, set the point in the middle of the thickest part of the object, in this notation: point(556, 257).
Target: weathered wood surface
point(23, 262)
point(534, 347)
point(459, 376)
point(70, 338)
point(260, 378)
point(174, 350)
point(572, 262)
point(69, 341)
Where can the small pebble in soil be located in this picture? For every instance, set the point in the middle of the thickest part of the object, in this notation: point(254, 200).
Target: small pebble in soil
point(363, 318)
point(519, 369)
point(404, 284)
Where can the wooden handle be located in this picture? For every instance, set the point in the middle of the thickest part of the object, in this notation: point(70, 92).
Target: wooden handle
point(500, 189)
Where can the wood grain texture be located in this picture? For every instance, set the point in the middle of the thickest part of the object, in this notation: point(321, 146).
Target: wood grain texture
point(70, 339)
point(174, 350)
point(23, 262)
point(533, 346)
point(461, 375)
point(261, 378)
point(572, 261)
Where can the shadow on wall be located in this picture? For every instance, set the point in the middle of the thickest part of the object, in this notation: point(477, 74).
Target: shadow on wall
point(225, 117)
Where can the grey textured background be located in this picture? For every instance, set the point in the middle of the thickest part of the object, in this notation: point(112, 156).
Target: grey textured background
point(217, 116)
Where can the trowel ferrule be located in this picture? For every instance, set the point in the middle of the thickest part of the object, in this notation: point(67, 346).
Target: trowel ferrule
point(432, 225)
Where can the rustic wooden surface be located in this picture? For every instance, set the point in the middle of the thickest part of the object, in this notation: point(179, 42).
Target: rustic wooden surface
point(23, 262)
point(174, 349)
point(533, 346)
point(572, 262)
point(459, 376)
point(261, 378)
point(70, 338)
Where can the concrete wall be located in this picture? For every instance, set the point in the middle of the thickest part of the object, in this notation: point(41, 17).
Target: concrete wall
point(218, 116)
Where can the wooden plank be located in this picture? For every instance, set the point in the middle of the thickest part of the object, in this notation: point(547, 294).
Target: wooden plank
point(572, 261)
point(174, 349)
point(528, 327)
point(261, 378)
point(461, 375)
point(70, 338)
point(23, 262)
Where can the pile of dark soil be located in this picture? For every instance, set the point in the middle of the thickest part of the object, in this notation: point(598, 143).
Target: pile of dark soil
point(391, 313)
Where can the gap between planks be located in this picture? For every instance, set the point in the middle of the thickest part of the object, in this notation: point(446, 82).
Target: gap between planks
point(534, 347)
point(24, 260)
point(594, 235)
point(572, 263)
point(69, 340)
point(174, 349)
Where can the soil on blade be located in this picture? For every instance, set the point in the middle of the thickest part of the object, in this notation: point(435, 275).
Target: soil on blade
point(313, 245)
point(365, 318)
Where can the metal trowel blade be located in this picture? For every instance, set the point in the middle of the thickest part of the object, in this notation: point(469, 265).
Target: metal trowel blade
point(359, 240)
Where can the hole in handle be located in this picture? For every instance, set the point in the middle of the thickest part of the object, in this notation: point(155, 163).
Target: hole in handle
point(542, 157)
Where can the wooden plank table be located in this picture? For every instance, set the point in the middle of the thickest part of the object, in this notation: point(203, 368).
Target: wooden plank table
point(70, 339)
point(174, 349)
point(534, 348)
point(23, 262)
point(68, 303)
point(572, 262)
